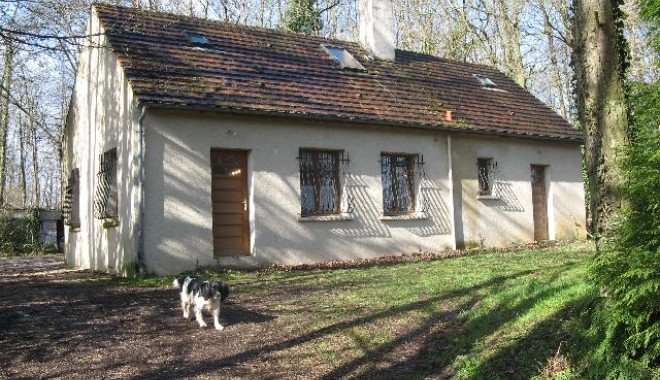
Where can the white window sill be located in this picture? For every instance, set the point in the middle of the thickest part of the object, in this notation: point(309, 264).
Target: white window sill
point(110, 223)
point(419, 215)
point(488, 197)
point(326, 218)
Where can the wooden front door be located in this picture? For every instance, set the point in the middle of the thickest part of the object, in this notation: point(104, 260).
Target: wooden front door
point(231, 222)
point(540, 203)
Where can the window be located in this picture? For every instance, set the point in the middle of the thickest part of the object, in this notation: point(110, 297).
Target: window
point(345, 59)
point(71, 207)
point(486, 168)
point(319, 182)
point(105, 200)
point(198, 39)
point(398, 178)
point(487, 83)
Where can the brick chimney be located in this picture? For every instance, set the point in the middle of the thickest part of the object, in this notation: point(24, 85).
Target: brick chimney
point(376, 28)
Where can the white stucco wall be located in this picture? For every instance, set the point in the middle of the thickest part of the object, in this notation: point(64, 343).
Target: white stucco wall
point(101, 117)
point(178, 232)
point(178, 209)
point(497, 222)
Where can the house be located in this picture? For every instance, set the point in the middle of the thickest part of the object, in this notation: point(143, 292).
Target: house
point(49, 222)
point(195, 142)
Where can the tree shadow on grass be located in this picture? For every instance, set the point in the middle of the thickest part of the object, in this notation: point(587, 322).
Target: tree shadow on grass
point(441, 348)
point(153, 341)
point(210, 366)
point(528, 355)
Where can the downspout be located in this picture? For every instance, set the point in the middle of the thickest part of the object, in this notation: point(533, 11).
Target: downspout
point(450, 176)
point(140, 192)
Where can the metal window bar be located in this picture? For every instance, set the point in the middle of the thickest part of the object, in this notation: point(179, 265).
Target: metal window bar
point(486, 169)
point(71, 198)
point(398, 183)
point(420, 167)
point(319, 182)
point(105, 200)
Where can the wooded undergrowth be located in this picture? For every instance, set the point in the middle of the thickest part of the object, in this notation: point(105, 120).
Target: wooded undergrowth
point(626, 324)
point(21, 235)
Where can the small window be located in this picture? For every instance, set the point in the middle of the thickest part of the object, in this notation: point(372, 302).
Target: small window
point(486, 168)
point(105, 200)
point(198, 39)
point(398, 176)
point(487, 83)
point(71, 207)
point(319, 182)
point(343, 57)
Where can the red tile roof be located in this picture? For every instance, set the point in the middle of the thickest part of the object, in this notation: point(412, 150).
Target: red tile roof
point(272, 72)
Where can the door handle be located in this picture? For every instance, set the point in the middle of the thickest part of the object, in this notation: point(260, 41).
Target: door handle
point(244, 204)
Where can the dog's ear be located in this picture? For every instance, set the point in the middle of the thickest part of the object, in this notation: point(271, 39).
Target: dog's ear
point(206, 290)
point(224, 291)
point(178, 282)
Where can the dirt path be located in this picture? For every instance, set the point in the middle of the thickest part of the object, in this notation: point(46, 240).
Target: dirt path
point(58, 323)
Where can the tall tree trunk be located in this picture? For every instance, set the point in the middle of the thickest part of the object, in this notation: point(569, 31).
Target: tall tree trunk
point(458, 35)
point(428, 44)
point(602, 113)
point(554, 61)
point(334, 22)
point(510, 26)
point(36, 183)
point(23, 179)
point(261, 13)
point(4, 114)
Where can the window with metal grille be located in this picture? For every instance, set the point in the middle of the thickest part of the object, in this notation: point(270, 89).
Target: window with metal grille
point(486, 168)
point(71, 207)
point(105, 200)
point(319, 182)
point(398, 176)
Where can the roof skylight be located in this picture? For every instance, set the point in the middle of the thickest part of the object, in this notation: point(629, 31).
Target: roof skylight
point(343, 57)
point(198, 39)
point(487, 83)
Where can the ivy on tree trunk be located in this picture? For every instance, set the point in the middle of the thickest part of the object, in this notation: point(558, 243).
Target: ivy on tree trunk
point(599, 63)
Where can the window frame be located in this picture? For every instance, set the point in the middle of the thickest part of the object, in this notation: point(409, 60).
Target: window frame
point(106, 202)
point(487, 83)
point(71, 207)
point(343, 58)
point(411, 162)
point(316, 174)
point(486, 170)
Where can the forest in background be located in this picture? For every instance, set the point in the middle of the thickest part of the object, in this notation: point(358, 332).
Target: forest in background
point(596, 62)
point(531, 41)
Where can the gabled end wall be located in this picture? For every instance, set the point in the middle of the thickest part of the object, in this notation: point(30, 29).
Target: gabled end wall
point(102, 116)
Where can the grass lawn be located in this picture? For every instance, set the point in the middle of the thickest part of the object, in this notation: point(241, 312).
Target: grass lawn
point(493, 316)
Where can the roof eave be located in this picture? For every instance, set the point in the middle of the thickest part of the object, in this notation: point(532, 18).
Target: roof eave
point(374, 121)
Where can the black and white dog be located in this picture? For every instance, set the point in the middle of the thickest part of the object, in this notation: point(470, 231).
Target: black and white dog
point(202, 294)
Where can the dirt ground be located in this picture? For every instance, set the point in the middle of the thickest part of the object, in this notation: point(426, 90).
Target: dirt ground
point(55, 323)
point(60, 323)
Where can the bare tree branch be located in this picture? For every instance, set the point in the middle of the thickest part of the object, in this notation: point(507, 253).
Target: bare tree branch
point(329, 7)
point(16, 103)
point(9, 33)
